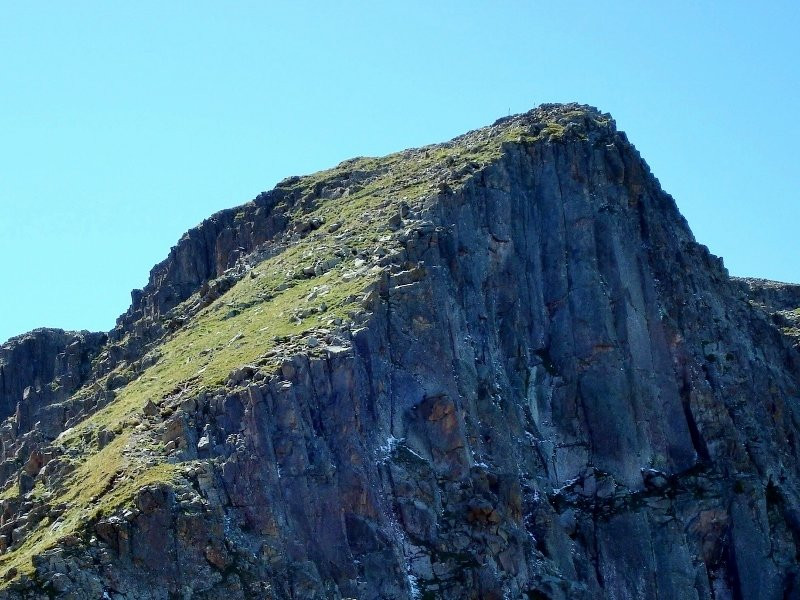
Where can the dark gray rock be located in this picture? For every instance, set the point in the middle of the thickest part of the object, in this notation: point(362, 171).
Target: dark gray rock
point(43, 367)
point(555, 393)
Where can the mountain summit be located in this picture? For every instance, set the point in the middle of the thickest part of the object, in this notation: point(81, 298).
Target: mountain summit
point(499, 367)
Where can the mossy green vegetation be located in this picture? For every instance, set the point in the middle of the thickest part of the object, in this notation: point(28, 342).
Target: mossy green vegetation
point(199, 356)
point(11, 491)
point(277, 302)
point(101, 484)
point(793, 326)
point(203, 353)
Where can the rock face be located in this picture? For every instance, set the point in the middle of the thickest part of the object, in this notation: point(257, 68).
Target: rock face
point(49, 363)
point(779, 300)
point(39, 371)
point(500, 367)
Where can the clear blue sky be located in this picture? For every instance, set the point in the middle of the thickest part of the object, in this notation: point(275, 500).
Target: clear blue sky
point(124, 124)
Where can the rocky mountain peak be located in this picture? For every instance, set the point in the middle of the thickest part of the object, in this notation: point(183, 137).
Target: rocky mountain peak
point(497, 367)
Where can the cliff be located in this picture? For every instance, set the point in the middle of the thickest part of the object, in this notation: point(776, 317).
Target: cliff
point(499, 367)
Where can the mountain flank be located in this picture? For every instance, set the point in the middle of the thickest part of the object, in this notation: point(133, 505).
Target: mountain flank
point(499, 367)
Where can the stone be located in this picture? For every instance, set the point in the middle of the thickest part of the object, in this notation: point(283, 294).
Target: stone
point(150, 409)
point(544, 388)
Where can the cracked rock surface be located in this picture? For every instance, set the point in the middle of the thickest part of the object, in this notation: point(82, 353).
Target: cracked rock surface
point(508, 370)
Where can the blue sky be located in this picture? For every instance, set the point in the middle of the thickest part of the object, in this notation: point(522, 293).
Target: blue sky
point(122, 125)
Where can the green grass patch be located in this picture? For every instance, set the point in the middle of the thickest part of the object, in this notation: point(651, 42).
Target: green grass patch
point(199, 356)
point(203, 353)
point(103, 483)
point(256, 316)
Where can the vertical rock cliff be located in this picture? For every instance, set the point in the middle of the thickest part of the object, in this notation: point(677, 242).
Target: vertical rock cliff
point(499, 367)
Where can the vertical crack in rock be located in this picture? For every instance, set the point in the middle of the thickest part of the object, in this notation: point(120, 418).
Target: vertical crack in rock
point(498, 367)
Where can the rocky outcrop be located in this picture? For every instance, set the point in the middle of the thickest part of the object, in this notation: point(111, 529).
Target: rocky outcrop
point(543, 387)
point(773, 295)
point(204, 253)
point(781, 301)
point(39, 372)
point(42, 367)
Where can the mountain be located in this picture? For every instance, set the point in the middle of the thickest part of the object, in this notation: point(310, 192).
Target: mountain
point(499, 367)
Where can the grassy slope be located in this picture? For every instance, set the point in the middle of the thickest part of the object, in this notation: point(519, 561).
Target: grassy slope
point(242, 326)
